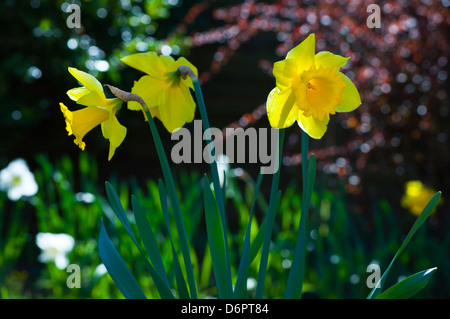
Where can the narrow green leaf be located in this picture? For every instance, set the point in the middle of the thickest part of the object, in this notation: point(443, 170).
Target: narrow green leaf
point(181, 284)
point(240, 289)
point(116, 205)
point(258, 241)
point(161, 285)
point(179, 278)
point(148, 239)
point(419, 221)
point(117, 268)
point(206, 270)
point(216, 240)
point(294, 284)
point(271, 213)
point(408, 287)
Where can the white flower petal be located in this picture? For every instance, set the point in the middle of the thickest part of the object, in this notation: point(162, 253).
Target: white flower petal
point(61, 261)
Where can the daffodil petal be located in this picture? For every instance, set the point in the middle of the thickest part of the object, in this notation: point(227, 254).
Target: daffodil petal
point(118, 133)
point(114, 132)
point(285, 71)
point(113, 105)
point(281, 110)
point(150, 63)
point(89, 81)
point(76, 93)
point(313, 127)
point(303, 54)
point(92, 99)
point(106, 128)
point(149, 89)
point(328, 59)
point(176, 107)
point(350, 97)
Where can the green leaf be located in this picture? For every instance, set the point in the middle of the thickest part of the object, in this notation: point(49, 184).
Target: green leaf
point(216, 240)
point(258, 241)
point(161, 284)
point(117, 268)
point(294, 284)
point(408, 287)
point(148, 239)
point(419, 221)
point(240, 289)
point(181, 284)
point(116, 205)
point(271, 213)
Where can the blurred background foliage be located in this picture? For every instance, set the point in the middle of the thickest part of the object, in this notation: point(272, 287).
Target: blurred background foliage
point(400, 132)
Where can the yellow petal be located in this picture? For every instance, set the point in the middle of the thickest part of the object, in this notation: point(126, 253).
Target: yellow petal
point(280, 108)
point(80, 122)
point(93, 99)
point(310, 125)
point(303, 54)
point(150, 63)
point(76, 93)
point(285, 73)
point(328, 59)
point(350, 97)
point(176, 107)
point(149, 89)
point(114, 132)
point(87, 80)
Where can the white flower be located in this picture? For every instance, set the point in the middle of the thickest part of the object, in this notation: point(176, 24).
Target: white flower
point(55, 247)
point(17, 180)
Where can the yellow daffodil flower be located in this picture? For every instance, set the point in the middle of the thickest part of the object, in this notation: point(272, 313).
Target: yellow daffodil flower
point(416, 197)
point(164, 91)
point(98, 110)
point(309, 87)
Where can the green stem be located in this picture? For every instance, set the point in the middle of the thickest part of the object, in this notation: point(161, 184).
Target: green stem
point(270, 220)
point(175, 203)
point(219, 194)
